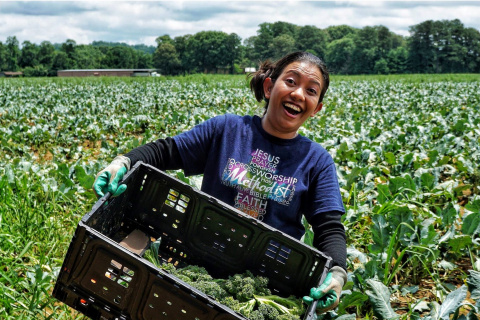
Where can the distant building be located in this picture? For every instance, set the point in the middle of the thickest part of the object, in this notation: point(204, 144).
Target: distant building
point(107, 72)
point(10, 74)
point(249, 70)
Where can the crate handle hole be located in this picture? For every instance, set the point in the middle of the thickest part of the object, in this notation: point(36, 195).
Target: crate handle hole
point(105, 288)
point(116, 264)
point(155, 295)
point(93, 281)
point(151, 306)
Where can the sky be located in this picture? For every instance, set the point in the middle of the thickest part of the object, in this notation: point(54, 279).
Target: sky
point(141, 22)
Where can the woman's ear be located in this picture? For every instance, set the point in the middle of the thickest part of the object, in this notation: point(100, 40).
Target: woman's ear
point(318, 108)
point(267, 87)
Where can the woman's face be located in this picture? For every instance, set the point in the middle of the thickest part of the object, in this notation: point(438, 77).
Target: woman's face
point(293, 98)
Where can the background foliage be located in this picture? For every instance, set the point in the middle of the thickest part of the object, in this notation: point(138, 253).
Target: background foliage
point(444, 46)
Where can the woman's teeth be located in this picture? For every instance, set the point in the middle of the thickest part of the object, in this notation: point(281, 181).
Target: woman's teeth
point(293, 109)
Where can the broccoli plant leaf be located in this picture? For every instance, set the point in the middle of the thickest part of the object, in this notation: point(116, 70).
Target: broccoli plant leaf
point(379, 297)
point(471, 224)
point(460, 242)
point(473, 283)
point(380, 234)
point(474, 206)
point(355, 299)
point(452, 302)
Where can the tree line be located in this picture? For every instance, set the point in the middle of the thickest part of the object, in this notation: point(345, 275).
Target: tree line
point(444, 46)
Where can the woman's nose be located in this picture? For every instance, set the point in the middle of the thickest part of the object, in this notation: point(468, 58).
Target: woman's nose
point(298, 94)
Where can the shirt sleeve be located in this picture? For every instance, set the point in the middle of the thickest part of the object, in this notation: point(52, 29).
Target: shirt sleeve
point(162, 154)
point(194, 145)
point(329, 237)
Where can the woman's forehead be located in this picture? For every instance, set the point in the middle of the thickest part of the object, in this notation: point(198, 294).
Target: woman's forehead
point(304, 69)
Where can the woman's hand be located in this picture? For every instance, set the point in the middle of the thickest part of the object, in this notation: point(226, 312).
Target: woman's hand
point(328, 294)
point(108, 179)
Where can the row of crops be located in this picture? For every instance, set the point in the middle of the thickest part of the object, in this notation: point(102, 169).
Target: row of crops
point(407, 153)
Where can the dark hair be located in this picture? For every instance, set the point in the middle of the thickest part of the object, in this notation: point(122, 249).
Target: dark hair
point(273, 70)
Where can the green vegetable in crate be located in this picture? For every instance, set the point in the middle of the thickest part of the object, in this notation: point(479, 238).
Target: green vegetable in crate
point(245, 293)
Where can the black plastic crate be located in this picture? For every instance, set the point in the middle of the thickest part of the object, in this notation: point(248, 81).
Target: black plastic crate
point(104, 280)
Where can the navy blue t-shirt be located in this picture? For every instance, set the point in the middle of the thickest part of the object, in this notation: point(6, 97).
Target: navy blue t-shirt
point(275, 180)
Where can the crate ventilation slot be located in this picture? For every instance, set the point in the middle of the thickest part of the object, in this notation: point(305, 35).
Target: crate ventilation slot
point(278, 252)
point(119, 274)
point(155, 304)
point(143, 182)
point(177, 201)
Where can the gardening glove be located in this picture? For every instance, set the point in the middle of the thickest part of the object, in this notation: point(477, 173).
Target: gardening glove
point(328, 294)
point(107, 180)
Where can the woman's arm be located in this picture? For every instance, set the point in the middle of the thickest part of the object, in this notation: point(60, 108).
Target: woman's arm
point(162, 154)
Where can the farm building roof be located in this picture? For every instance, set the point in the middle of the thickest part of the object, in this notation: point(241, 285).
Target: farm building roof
point(11, 73)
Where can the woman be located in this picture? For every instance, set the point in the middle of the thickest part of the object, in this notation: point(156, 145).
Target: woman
point(262, 166)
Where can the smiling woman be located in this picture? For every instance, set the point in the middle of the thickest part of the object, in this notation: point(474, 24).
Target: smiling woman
point(262, 166)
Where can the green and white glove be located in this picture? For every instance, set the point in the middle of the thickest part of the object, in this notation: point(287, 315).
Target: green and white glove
point(328, 294)
point(108, 179)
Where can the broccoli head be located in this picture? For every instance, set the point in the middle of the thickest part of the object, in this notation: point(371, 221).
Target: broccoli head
point(268, 312)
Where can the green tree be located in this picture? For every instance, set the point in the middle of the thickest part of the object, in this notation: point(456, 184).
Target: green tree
point(120, 57)
point(312, 39)
point(381, 67)
point(89, 57)
point(45, 54)
point(3, 57)
point(180, 44)
point(164, 39)
point(69, 48)
point(397, 60)
point(339, 55)
point(166, 58)
point(339, 32)
point(365, 53)
point(422, 55)
point(144, 60)
point(263, 43)
point(251, 57)
point(472, 46)
point(60, 61)
point(372, 45)
point(208, 51)
point(28, 55)
point(12, 53)
point(282, 45)
point(234, 50)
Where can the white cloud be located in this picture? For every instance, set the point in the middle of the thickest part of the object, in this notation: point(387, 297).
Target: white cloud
point(143, 21)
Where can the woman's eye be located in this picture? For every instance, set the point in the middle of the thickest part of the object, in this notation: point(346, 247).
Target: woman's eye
point(290, 81)
point(313, 91)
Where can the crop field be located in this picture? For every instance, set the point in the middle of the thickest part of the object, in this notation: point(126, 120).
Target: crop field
point(407, 150)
